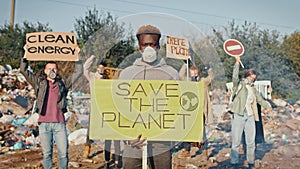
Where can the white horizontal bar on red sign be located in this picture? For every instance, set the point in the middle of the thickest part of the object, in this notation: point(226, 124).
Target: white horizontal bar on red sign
point(234, 47)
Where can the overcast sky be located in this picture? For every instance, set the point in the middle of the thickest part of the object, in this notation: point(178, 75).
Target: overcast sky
point(280, 15)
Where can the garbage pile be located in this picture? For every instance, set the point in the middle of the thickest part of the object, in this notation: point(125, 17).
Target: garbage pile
point(283, 125)
point(18, 121)
point(19, 128)
point(281, 135)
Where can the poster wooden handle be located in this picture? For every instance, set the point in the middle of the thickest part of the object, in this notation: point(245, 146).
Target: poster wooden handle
point(145, 155)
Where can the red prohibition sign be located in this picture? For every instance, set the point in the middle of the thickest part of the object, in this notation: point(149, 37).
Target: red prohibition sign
point(233, 47)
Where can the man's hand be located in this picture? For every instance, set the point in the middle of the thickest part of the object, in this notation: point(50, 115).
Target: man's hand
point(138, 143)
point(270, 90)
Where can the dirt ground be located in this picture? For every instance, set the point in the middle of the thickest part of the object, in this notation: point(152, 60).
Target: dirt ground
point(269, 156)
point(281, 150)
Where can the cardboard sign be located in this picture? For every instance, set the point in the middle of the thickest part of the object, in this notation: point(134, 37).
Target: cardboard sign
point(57, 46)
point(113, 73)
point(261, 86)
point(159, 110)
point(177, 47)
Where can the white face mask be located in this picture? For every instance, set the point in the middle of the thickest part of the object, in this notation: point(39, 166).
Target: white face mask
point(52, 74)
point(149, 55)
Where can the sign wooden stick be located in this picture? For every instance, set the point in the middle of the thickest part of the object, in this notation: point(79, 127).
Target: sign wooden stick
point(187, 70)
point(145, 155)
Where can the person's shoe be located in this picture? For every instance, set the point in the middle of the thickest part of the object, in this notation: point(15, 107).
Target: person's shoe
point(248, 165)
point(245, 164)
point(87, 151)
point(241, 150)
point(233, 166)
point(106, 166)
point(205, 154)
point(251, 166)
point(116, 165)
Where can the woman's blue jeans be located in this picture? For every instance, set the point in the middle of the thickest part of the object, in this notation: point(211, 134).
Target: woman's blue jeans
point(50, 133)
point(238, 125)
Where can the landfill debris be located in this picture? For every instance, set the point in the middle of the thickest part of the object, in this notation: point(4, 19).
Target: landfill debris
point(19, 128)
point(18, 120)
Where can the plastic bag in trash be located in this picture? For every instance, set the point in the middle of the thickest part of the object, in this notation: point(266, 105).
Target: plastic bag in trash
point(18, 145)
point(19, 121)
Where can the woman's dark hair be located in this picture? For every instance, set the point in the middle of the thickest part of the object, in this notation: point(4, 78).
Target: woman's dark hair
point(250, 72)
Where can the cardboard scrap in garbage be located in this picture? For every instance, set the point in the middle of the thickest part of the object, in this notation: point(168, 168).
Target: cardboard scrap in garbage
point(293, 124)
point(15, 108)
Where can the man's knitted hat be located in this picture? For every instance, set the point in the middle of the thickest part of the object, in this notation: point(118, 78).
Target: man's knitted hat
point(148, 29)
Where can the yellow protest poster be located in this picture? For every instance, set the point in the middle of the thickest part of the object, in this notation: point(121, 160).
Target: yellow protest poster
point(56, 46)
point(159, 110)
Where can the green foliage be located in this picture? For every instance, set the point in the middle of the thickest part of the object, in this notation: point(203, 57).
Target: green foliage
point(119, 52)
point(93, 21)
point(12, 41)
point(265, 54)
point(206, 56)
point(101, 35)
point(291, 50)
point(129, 60)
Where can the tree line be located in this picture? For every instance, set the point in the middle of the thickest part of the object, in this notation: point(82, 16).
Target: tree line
point(274, 57)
